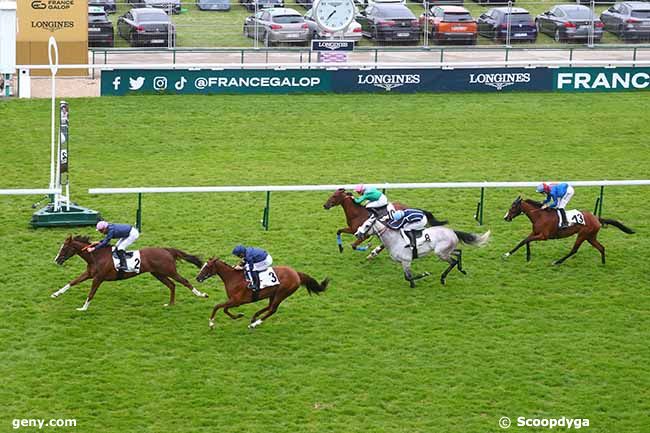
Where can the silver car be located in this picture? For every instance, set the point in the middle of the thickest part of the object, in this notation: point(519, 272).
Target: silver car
point(213, 5)
point(277, 25)
point(353, 32)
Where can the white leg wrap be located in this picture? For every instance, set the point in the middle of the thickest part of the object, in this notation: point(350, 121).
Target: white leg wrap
point(85, 306)
point(199, 293)
point(61, 291)
point(255, 324)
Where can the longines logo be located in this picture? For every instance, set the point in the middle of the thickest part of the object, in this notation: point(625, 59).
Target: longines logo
point(52, 25)
point(52, 4)
point(499, 81)
point(388, 82)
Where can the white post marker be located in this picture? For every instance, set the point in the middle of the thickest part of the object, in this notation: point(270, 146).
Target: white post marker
point(53, 56)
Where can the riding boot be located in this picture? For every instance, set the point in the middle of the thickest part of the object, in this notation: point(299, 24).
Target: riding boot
point(414, 243)
point(121, 254)
point(564, 224)
point(256, 284)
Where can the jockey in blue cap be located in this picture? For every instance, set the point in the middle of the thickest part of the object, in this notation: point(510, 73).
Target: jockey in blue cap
point(560, 193)
point(125, 235)
point(254, 261)
point(410, 222)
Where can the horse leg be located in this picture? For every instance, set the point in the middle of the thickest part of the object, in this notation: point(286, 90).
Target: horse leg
point(579, 241)
point(270, 309)
point(81, 278)
point(528, 252)
point(459, 256)
point(531, 237)
point(594, 242)
point(452, 263)
point(176, 276)
point(230, 303)
point(263, 310)
point(339, 241)
point(170, 285)
point(233, 316)
point(375, 252)
point(93, 289)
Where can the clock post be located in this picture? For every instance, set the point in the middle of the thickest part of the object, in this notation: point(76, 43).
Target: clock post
point(334, 17)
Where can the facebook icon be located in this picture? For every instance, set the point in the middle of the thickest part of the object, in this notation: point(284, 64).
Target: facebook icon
point(116, 82)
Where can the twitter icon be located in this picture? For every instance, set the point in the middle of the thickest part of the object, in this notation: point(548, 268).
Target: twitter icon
point(136, 84)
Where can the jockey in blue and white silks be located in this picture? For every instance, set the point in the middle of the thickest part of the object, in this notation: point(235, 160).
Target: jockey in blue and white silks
point(125, 235)
point(560, 194)
point(255, 260)
point(409, 221)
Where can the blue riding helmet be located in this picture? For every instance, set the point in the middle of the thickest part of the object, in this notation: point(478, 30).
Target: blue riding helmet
point(239, 250)
point(540, 188)
point(398, 215)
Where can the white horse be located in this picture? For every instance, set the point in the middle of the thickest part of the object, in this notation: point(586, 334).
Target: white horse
point(440, 240)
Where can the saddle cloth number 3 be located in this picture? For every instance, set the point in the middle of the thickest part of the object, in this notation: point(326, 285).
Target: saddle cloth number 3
point(268, 278)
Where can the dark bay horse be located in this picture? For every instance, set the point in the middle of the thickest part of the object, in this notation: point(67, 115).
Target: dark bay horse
point(239, 294)
point(160, 262)
point(545, 226)
point(356, 215)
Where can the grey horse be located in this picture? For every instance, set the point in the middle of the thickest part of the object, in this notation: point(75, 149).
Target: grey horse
point(440, 240)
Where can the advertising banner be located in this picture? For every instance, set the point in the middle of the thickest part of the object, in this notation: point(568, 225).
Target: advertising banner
point(66, 20)
point(601, 79)
point(210, 81)
point(121, 82)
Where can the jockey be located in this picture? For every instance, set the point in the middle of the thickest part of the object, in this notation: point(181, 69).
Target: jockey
point(560, 193)
point(376, 199)
point(409, 221)
point(254, 261)
point(125, 235)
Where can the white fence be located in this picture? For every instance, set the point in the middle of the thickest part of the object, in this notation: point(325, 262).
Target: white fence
point(332, 187)
point(43, 191)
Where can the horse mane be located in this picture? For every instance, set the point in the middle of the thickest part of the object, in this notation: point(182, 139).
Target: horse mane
point(84, 239)
point(533, 202)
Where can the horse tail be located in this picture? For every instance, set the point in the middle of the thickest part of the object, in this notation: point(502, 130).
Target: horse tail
point(178, 254)
point(619, 225)
point(312, 285)
point(433, 222)
point(473, 238)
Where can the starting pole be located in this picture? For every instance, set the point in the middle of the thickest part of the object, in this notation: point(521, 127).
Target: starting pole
point(60, 211)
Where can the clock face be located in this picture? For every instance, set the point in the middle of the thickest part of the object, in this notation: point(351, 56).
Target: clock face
point(334, 15)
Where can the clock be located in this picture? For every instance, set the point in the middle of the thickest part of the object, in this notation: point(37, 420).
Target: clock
point(334, 15)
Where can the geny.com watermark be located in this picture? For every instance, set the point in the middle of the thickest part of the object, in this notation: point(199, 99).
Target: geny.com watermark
point(41, 423)
point(563, 422)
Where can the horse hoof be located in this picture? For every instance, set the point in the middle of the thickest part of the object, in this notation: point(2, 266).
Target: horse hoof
point(505, 256)
point(81, 309)
point(463, 271)
point(255, 324)
point(54, 296)
point(556, 263)
point(442, 281)
point(211, 324)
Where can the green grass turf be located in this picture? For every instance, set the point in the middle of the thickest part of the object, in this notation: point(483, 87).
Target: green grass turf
point(198, 28)
point(370, 354)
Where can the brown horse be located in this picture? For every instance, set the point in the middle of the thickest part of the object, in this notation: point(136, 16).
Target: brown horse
point(239, 294)
point(545, 226)
point(356, 215)
point(161, 262)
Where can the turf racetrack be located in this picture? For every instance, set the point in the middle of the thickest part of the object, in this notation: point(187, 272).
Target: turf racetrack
point(369, 355)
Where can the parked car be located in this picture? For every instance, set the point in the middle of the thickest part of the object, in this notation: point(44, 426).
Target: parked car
point(449, 24)
point(569, 22)
point(167, 5)
point(146, 27)
point(494, 24)
point(108, 5)
point(364, 3)
point(277, 25)
point(353, 32)
point(213, 5)
point(628, 20)
point(389, 22)
point(100, 28)
point(307, 4)
point(258, 5)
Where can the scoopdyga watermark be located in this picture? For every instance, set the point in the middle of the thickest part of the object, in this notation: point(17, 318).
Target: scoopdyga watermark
point(549, 423)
